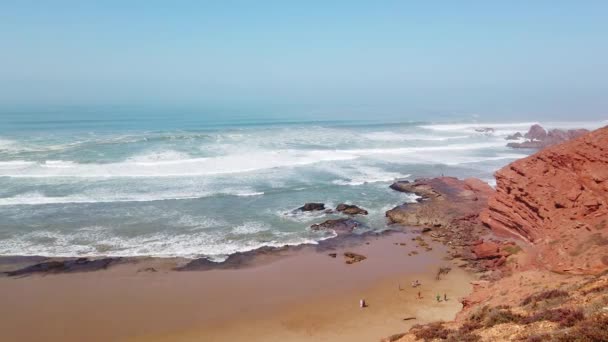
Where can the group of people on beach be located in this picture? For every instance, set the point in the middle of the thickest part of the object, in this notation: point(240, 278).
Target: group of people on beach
point(415, 284)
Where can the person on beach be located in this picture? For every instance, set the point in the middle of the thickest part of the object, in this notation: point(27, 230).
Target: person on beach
point(419, 295)
point(445, 297)
point(362, 303)
point(438, 298)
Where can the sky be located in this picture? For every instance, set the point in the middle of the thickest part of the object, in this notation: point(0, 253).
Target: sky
point(488, 58)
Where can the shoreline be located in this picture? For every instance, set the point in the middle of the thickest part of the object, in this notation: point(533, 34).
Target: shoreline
point(237, 260)
point(246, 298)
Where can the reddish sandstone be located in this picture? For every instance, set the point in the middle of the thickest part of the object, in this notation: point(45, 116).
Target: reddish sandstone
point(487, 250)
point(557, 199)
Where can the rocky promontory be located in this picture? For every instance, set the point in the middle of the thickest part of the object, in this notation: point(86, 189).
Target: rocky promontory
point(555, 287)
point(557, 200)
point(537, 137)
point(448, 209)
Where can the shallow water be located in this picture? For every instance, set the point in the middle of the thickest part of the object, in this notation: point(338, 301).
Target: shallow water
point(191, 188)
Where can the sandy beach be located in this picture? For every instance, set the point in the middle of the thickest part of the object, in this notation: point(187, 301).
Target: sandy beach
point(296, 295)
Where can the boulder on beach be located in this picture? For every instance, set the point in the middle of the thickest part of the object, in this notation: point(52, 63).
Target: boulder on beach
point(349, 209)
point(486, 250)
point(352, 258)
point(312, 207)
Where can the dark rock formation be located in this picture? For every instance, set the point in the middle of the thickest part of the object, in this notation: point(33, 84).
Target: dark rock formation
point(312, 207)
point(419, 187)
point(350, 209)
point(536, 132)
point(340, 226)
point(557, 199)
point(451, 207)
point(486, 130)
point(539, 138)
point(447, 199)
point(352, 258)
point(66, 266)
point(515, 136)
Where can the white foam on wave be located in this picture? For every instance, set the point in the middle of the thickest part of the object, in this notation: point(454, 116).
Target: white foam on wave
point(459, 160)
point(154, 157)
point(471, 127)
point(174, 168)
point(361, 175)
point(7, 145)
point(101, 241)
point(39, 198)
point(424, 149)
point(251, 228)
point(16, 146)
point(16, 164)
point(249, 194)
point(299, 216)
point(394, 136)
point(229, 164)
point(504, 129)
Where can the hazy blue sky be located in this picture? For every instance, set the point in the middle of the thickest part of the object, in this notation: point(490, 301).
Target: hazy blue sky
point(478, 57)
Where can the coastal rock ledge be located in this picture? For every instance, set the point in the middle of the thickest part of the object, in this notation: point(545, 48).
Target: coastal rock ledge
point(557, 199)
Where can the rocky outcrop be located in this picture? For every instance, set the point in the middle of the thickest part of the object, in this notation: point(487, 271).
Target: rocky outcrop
point(486, 250)
point(445, 200)
point(423, 189)
point(515, 136)
point(485, 130)
point(537, 137)
point(450, 207)
point(557, 200)
point(312, 207)
point(536, 132)
point(66, 266)
point(349, 209)
point(340, 226)
point(352, 258)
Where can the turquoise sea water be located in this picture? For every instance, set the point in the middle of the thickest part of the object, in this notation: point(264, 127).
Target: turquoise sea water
point(175, 184)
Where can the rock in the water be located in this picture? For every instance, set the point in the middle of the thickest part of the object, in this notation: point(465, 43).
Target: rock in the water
point(557, 199)
point(340, 226)
point(537, 137)
point(486, 130)
point(536, 132)
point(515, 136)
point(352, 258)
point(418, 187)
point(312, 207)
point(350, 209)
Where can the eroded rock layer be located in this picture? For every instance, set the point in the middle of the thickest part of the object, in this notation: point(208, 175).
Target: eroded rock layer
point(557, 199)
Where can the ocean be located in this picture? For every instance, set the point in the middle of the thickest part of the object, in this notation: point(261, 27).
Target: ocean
point(172, 186)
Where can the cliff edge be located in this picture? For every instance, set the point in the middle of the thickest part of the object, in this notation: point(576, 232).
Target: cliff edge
point(557, 200)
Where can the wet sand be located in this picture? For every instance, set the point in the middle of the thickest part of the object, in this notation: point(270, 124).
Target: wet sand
point(301, 295)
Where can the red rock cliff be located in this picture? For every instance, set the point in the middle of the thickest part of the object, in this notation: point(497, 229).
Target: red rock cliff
point(557, 199)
